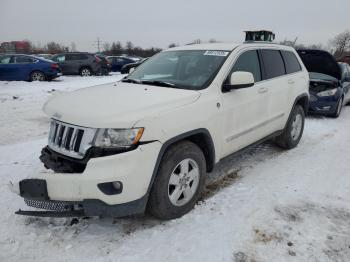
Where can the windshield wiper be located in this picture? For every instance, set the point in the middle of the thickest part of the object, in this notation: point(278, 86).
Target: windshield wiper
point(129, 80)
point(158, 83)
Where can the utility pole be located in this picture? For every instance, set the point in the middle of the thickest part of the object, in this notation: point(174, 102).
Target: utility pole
point(98, 43)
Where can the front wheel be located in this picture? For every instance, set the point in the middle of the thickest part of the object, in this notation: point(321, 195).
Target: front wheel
point(294, 130)
point(179, 182)
point(37, 76)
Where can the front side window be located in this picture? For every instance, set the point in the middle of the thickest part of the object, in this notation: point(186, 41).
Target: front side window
point(291, 61)
point(248, 62)
point(273, 63)
point(186, 69)
point(6, 59)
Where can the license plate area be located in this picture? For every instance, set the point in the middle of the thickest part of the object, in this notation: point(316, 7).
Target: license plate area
point(33, 189)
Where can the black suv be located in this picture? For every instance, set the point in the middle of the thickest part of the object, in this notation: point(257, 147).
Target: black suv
point(84, 64)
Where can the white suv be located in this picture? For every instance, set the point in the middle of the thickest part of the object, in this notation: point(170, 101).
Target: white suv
point(148, 142)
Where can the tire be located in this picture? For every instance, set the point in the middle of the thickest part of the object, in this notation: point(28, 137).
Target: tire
point(339, 108)
point(37, 76)
point(179, 182)
point(85, 71)
point(294, 130)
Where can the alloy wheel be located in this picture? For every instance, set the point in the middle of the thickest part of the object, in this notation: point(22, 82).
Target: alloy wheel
point(183, 182)
point(297, 125)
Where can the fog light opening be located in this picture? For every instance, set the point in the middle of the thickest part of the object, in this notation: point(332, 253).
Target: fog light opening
point(111, 188)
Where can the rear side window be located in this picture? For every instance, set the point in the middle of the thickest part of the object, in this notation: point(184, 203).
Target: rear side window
point(71, 57)
point(291, 62)
point(273, 63)
point(82, 57)
point(24, 60)
point(248, 62)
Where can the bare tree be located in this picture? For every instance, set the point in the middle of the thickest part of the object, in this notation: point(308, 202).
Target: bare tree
point(341, 43)
point(73, 47)
point(129, 47)
point(106, 47)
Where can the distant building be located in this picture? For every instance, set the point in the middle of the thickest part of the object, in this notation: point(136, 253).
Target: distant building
point(15, 47)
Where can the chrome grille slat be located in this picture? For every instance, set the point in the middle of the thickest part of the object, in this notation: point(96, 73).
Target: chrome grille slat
point(70, 140)
point(74, 138)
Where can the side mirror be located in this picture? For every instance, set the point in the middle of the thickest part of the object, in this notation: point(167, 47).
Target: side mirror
point(347, 78)
point(238, 80)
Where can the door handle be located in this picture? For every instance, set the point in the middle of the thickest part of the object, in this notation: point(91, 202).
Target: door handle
point(262, 90)
point(291, 81)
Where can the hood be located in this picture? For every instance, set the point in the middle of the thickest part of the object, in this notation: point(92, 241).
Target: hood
point(118, 105)
point(319, 61)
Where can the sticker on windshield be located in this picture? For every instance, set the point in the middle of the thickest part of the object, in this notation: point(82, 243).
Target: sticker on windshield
point(216, 53)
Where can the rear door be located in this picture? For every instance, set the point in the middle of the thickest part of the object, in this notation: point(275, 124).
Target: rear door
point(246, 109)
point(23, 67)
point(274, 74)
point(72, 63)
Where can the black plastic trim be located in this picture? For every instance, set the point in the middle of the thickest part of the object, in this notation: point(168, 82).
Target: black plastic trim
point(305, 107)
point(94, 207)
point(33, 189)
point(175, 139)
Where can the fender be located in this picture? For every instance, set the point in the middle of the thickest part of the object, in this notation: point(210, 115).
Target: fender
point(211, 151)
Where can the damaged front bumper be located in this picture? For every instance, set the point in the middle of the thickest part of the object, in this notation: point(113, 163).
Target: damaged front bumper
point(34, 192)
point(90, 193)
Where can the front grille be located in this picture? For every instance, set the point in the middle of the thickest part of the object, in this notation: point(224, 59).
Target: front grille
point(59, 206)
point(69, 139)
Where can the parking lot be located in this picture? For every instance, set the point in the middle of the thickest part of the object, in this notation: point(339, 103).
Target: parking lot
point(264, 204)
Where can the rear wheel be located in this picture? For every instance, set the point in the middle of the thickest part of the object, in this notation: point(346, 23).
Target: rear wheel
point(85, 71)
point(37, 76)
point(179, 181)
point(339, 108)
point(294, 130)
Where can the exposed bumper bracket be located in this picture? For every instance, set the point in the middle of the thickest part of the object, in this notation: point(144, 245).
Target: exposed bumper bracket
point(51, 213)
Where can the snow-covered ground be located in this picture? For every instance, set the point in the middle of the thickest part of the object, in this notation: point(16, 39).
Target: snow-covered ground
point(264, 205)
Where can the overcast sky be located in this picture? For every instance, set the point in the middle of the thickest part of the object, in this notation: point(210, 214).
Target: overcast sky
point(160, 22)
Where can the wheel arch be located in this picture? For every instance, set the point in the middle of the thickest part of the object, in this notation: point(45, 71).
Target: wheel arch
point(36, 70)
point(303, 101)
point(85, 66)
point(201, 137)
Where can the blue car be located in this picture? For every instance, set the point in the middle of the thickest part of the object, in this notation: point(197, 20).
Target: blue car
point(119, 61)
point(17, 67)
point(329, 82)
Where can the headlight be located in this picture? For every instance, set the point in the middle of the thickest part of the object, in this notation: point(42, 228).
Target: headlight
point(124, 138)
point(330, 92)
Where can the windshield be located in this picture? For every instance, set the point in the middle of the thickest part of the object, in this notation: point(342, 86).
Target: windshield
point(190, 69)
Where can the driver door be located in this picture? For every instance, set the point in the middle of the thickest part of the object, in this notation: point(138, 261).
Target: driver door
point(245, 109)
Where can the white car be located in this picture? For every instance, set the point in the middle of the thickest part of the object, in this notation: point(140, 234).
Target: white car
point(148, 142)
